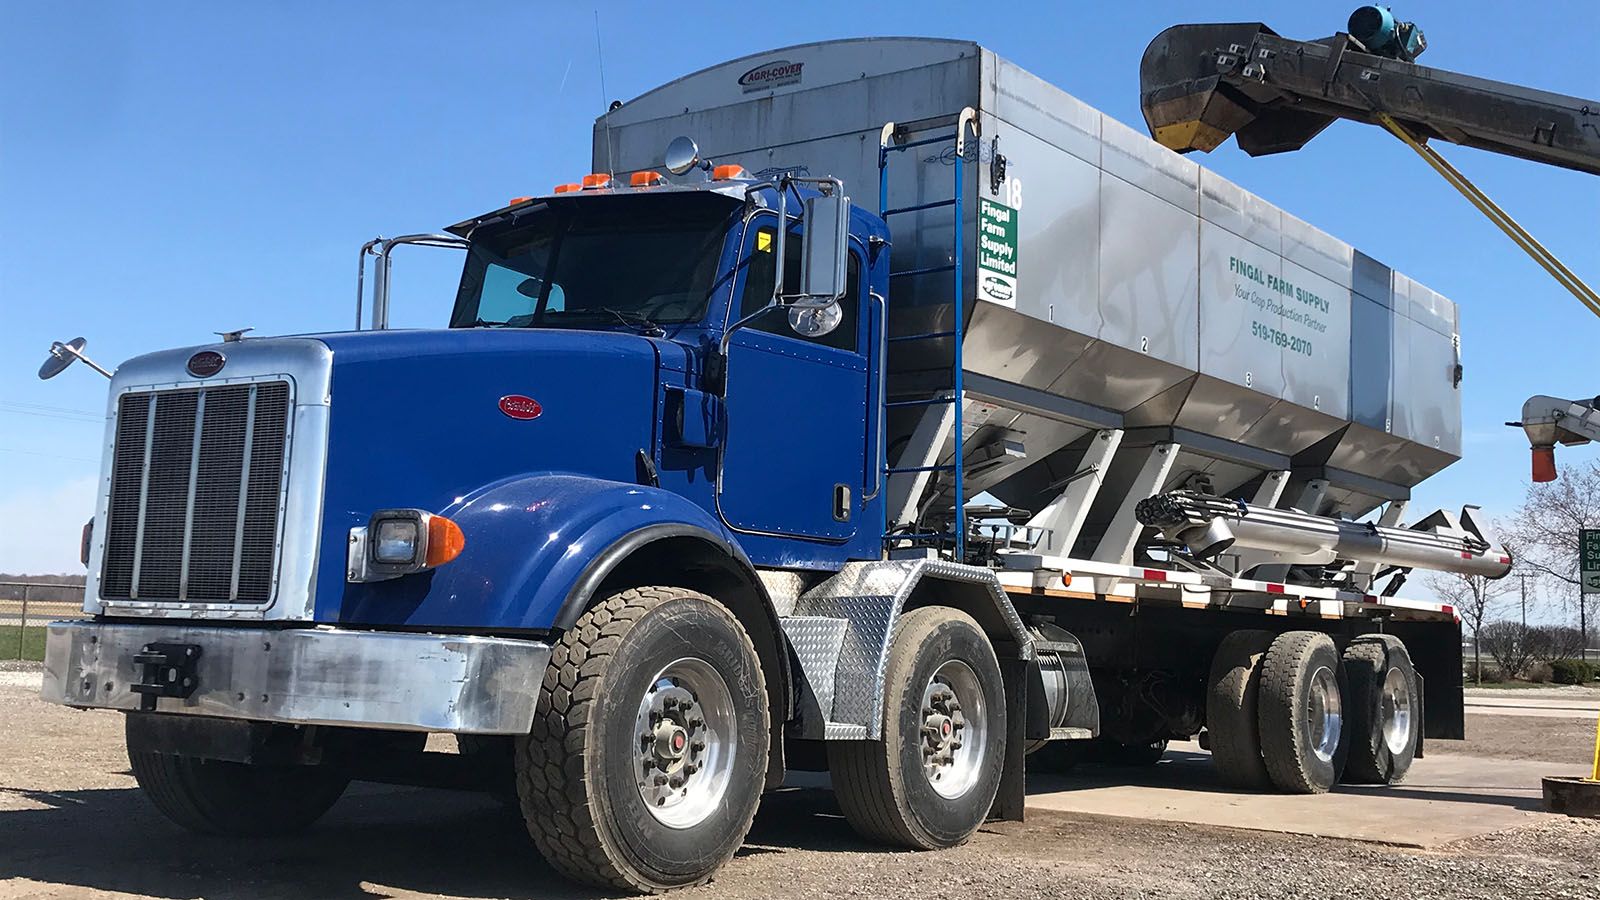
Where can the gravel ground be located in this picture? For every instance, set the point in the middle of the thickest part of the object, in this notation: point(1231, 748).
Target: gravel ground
point(73, 825)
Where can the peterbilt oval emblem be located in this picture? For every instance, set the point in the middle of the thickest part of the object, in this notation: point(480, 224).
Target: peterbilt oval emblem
point(206, 363)
point(519, 407)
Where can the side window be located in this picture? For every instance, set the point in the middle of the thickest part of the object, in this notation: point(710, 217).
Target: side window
point(758, 291)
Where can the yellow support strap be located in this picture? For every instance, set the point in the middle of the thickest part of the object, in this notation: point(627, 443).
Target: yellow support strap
point(1519, 235)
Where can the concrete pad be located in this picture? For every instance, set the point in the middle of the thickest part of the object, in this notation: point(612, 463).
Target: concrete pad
point(1443, 799)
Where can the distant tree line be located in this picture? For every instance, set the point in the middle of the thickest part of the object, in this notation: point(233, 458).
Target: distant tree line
point(47, 587)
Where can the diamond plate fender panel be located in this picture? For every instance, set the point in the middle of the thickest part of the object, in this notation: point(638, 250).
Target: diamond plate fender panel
point(816, 641)
point(868, 597)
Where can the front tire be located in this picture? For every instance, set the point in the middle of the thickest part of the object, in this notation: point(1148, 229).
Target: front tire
point(235, 799)
point(648, 752)
point(930, 782)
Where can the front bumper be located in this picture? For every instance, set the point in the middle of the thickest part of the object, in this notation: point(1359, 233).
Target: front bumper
point(308, 676)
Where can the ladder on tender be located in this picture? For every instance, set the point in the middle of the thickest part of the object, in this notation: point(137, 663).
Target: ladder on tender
point(957, 537)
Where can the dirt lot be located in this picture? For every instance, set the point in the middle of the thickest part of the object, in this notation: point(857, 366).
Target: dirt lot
point(1523, 737)
point(73, 825)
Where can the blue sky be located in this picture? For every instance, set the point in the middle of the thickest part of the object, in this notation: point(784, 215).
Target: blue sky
point(170, 170)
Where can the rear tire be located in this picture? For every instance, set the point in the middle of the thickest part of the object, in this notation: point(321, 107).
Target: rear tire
point(932, 780)
point(1382, 712)
point(1232, 710)
point(653, 683)
point(1304, 738)
point(215, 797)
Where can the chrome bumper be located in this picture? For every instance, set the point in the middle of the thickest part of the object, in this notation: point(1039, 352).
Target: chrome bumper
point(310, 676)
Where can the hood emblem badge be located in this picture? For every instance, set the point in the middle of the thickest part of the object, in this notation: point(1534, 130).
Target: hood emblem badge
point(519, 407)
point(206, 363)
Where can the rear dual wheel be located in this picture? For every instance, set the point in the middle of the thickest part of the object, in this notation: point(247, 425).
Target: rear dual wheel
point(1384, 710)
point(1304, 741)
point(1289, 711)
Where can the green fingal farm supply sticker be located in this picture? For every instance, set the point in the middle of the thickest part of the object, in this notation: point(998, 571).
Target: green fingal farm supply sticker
point(997, 253)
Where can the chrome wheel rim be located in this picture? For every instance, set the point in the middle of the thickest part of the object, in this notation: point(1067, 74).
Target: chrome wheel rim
point(1324, 714)
point(1395, 710)
point(684, 740)
point(955, 728)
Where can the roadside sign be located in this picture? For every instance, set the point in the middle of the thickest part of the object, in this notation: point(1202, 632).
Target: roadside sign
point(1589, 559)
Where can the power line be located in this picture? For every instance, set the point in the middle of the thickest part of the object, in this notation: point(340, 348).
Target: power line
point(45, 453)
point(48, 408)
point(50, 412)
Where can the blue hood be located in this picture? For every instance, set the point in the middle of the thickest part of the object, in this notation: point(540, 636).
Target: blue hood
point(417, 421)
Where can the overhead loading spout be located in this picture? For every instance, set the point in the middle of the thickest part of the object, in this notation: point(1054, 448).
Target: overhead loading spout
point(1199, 84)
point(1209, 525)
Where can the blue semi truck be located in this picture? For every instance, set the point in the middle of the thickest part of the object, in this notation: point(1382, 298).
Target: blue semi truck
point(714, 474)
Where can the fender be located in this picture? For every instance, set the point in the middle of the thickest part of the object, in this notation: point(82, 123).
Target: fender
point(533, 544)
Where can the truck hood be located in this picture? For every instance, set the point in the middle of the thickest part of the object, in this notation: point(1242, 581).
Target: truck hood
point(419, 418)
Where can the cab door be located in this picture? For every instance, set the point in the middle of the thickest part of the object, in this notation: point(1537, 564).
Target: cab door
point(796, 426)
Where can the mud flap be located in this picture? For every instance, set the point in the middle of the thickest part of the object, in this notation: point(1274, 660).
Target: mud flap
point(1013, 793)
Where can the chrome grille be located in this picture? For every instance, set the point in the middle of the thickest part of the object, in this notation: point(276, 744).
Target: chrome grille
point(196, 481)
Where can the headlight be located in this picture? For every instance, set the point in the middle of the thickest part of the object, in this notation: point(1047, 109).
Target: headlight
point(398, 542)
point(394, 541)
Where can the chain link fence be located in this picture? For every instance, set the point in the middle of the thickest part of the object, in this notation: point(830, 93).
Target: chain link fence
point(26, 607)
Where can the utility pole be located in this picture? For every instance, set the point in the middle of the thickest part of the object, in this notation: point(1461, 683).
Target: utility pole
point(1523, 577)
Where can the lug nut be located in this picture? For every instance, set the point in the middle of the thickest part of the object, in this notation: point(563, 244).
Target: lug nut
point(661, 779)
point(670, 702)
point(649, 763)
point(690, 768)
point(677, 781)
point(697, 746)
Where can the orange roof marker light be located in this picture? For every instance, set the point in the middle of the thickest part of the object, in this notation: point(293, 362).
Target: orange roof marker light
point(568, 188)
point(516, 200)
point(645, 179)
point(596, 181)
point(724, 172)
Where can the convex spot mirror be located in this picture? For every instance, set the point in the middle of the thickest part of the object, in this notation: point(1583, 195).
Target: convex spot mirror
point(815, 321)
point(682, 155)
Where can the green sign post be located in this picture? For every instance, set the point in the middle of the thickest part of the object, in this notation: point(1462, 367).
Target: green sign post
point(1589, 560)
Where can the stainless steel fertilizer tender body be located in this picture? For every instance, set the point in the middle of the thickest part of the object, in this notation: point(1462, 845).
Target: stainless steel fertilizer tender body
point(1111, 285)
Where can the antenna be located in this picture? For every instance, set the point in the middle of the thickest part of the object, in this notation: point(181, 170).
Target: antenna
point(600, 54)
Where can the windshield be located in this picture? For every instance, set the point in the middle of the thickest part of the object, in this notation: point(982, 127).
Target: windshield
point(589, 262)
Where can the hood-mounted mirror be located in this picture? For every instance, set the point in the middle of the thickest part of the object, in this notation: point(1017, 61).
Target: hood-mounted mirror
point(63, 355)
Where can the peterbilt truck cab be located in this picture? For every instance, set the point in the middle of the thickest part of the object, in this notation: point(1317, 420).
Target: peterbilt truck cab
point(309, 547)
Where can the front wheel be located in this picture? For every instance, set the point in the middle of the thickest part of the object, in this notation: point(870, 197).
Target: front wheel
point(931, 780)
point(648, 753)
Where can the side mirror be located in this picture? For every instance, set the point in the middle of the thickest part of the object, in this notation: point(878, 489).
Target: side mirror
point(825, 247)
